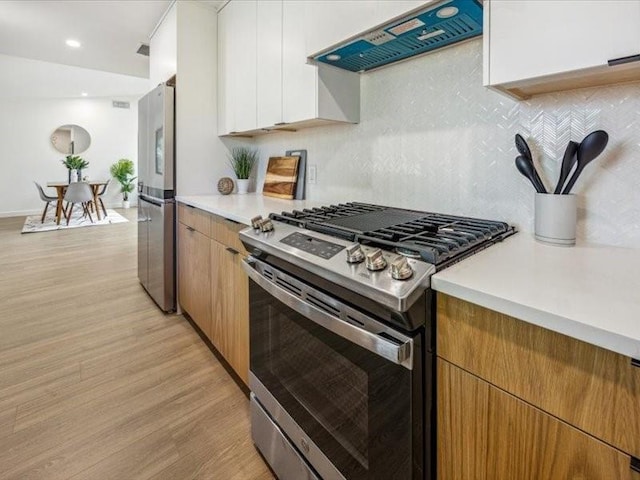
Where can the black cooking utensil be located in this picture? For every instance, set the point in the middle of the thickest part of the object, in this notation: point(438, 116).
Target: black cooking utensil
point(568, 161)
point(526, 168)
point(592, 146)
point(523, 148)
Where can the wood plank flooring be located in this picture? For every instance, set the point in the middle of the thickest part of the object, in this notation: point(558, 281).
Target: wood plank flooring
point(95, 381)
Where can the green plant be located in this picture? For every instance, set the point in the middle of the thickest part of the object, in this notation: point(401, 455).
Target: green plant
point(75, 162)
point(242, 160)
point(123, 171)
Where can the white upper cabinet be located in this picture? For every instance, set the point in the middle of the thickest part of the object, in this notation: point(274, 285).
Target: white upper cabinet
point(269, 62)
point(163, 62)
point(298, 77)
point(537, 46)
point(329, 22)
point(237, 67)
point(264, 80)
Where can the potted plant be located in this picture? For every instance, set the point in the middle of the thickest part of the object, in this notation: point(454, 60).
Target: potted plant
point(122, 171)
point(242, 160)
point(75, 164)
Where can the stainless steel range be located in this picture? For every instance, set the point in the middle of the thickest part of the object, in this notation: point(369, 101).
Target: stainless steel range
point(342, 337)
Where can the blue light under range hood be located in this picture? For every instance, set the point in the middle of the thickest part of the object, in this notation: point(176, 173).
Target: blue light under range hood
point(434, 27)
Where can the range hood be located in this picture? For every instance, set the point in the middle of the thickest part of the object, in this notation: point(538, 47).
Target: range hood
point(435, 26)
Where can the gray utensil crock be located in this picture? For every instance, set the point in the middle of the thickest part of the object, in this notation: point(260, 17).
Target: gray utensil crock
point(555, 218)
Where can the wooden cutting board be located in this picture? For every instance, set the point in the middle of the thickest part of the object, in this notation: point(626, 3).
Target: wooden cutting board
point(281, 178)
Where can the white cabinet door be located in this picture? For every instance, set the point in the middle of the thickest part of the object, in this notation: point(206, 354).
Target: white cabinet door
point(389, 9)
point(532, 38)
point(269, 63)
point(242, 16)
point(226, 111)
point(299, 90)
point(329, 22)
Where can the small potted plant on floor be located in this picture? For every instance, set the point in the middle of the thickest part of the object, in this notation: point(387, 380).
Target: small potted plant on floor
point(122, 171)
point(75, 164)
point(242, 161)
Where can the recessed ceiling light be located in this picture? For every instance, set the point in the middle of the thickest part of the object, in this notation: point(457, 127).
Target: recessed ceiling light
point(333, 57)
point(73, 43)
point(84, 94)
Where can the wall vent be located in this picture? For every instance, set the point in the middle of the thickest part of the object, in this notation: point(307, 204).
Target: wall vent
point(117, 104)
point(143, 49)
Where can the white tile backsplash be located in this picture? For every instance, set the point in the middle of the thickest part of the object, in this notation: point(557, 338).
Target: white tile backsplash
point(431, 137)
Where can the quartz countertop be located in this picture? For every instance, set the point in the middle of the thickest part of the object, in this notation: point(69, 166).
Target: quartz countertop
point(588, 292)
point(242, 208)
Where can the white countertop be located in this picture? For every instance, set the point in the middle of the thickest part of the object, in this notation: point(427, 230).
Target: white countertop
point(587, 292)
point(242, 208)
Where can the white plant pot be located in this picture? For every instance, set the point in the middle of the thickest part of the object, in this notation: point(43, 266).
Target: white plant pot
point(243, 185)
point(74, 176)
point(126, 204)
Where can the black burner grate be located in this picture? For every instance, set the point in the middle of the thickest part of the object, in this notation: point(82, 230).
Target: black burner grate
point(436, 238)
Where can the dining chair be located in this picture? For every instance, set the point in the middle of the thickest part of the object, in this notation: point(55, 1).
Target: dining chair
point(79, 192)
point(102, 191)
point(45, 198)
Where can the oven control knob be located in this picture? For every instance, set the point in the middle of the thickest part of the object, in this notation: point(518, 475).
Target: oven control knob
point(355, 254)
point(266, 225)
point(255, 222)
point(400, 269)
point(375, 260)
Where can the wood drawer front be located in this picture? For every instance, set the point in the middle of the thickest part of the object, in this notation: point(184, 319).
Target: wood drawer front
point(487, 434)
point(195, 218)
point(226, 231)
point(592, 388)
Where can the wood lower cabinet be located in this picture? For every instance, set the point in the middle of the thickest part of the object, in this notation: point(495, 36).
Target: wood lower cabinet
point(485, 433)
point(194, 276)
point(517, 401)
point(230, 307)
point(212, 286)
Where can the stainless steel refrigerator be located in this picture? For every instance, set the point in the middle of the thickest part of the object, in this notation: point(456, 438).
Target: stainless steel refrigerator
point(156, 204)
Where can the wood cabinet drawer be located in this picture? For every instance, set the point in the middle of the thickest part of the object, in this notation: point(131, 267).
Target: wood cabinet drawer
point(594, 389)
point(486, 433)
point(195, 218)
point(226, 231)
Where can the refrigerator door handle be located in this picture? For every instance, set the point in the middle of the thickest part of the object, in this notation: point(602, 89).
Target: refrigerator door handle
point(158, 202)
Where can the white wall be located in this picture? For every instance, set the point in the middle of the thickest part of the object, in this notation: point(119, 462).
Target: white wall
point(433, 138)
point(200, 154)
point(26, 126)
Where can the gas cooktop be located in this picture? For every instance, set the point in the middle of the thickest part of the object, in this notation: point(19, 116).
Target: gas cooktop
point(381, 252)
point(433, 237)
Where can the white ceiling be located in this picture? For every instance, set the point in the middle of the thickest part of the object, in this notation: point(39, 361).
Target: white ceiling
point(35, 79)
point(110, 32)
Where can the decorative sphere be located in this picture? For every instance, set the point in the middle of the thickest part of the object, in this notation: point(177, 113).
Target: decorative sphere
point(225, 185)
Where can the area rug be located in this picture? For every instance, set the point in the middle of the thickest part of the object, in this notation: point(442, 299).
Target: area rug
point(32, 223)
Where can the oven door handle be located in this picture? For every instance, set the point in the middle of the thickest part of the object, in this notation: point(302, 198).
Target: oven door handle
point(398, 352)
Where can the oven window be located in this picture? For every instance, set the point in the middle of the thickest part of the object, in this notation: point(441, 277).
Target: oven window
point(328, 385)
point(355, 406)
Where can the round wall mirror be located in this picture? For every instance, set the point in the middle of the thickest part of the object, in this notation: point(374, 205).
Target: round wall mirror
point(70, 139)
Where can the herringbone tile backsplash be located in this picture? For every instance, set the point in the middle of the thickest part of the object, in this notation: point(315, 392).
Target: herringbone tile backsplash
point(431, 137)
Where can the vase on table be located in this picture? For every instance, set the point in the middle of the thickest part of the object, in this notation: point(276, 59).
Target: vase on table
point(243, 185)
point(73, 176)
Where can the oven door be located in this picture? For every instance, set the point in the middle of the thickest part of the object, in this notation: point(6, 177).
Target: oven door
point(344, 388)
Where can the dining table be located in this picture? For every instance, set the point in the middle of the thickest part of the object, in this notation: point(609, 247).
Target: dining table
point(61, 188)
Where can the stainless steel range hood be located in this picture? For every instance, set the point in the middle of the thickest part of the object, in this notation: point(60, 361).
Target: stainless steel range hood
point(435, 26)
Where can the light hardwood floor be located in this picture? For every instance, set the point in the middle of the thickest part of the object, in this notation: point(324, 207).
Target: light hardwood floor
point(97, 383)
